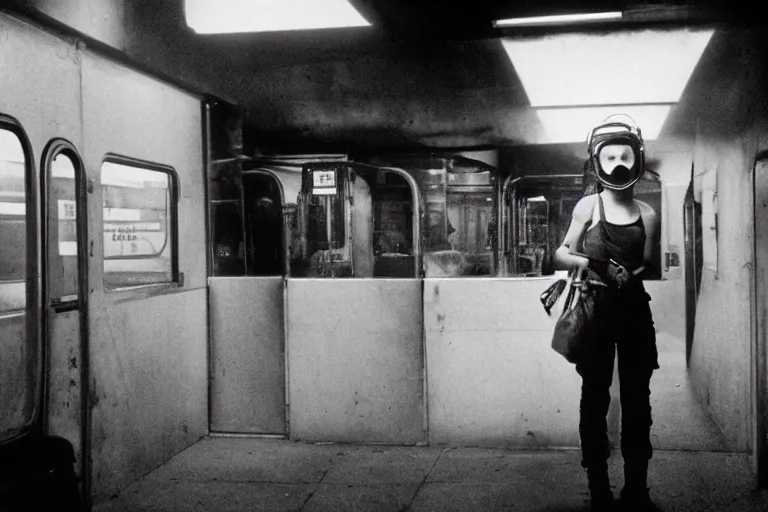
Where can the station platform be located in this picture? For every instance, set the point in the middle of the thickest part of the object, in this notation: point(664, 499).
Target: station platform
point(227, 474)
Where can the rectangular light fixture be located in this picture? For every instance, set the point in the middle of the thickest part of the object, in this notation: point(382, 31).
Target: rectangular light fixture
point(646, 66)
point(558, 19)
point(568, 125)
point(233, 16)
point(574, 81)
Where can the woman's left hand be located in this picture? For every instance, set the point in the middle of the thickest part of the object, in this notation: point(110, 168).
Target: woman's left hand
point(619, 274)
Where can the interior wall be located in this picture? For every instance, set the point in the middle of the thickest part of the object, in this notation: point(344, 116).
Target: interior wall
point(150, 34)
point(148, 347)
point(43, 94)
point(724, 116)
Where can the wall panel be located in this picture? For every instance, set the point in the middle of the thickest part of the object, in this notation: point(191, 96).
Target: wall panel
point(355, 360)
point(148, 348)
point(247, 355)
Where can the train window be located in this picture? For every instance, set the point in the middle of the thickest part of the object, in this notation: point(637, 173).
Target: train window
point(19, 361)
point(460, 222)
point(13, 248)
point(227, 236)
point(537, 213)
point(63, 262)
point(263, 224)
point(383, 224)
point(139, 224)
point(324, 217)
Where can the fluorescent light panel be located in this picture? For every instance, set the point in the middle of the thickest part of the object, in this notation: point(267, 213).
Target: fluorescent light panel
point(228, 16)
point(564, 125)
point(559, 19)
point(618, 68)
point(575, 81)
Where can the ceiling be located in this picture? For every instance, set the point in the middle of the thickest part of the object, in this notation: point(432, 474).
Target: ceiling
point(427, 75)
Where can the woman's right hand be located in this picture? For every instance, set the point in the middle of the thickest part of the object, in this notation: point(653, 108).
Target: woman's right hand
point(580, 262)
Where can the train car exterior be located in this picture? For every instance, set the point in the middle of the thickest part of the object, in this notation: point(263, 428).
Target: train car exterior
point(118, 323)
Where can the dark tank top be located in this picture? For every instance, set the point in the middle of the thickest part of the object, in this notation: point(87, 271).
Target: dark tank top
point(624, 243)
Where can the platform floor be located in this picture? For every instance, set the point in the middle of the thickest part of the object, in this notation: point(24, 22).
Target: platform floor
point(246, 474)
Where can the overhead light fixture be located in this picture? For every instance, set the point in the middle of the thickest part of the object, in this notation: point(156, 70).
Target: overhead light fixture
point(567, 125)
point(648, 66)
point(574, 80)
point(231, 16)
point(558, 19)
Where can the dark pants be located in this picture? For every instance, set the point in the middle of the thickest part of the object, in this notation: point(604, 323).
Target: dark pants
point(622, 322)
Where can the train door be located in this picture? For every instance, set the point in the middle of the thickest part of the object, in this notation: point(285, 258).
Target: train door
point(248, 212)
point(247, 330)
point(693, 263)
point(760, 360)
point(265, 234)
point(64, 295)
point(354, 320)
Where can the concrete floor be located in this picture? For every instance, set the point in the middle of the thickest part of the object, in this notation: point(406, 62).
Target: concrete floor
point(691, 470)
point(680, 422)
point(246, 474)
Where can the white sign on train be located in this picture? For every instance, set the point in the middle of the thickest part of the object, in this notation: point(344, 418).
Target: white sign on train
point(324, 183)
point(67, 210)
point(133, 239)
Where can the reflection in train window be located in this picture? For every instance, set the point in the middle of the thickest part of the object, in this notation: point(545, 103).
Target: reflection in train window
point(138, 225)
point(263, 224)
point(63, 215)
point(460, 216)
point(13, 225)
point(325, 247)
point(537, 213)
point(384, 208)
point(19, 354)
point(361, 227)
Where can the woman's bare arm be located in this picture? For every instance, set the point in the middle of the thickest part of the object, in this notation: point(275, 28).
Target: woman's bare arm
point(650, 222)
point(582, 215)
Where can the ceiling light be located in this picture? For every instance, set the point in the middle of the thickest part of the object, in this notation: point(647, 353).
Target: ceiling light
point(565, 125)
point(560, 19)
point(599, 69)
point(228, 16)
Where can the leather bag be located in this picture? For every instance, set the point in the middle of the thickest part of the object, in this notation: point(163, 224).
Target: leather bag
point(573, 329)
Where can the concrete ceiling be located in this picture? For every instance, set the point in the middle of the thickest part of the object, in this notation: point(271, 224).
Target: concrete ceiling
point(429, 74)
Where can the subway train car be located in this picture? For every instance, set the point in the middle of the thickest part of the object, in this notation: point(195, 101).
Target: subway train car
point(342, 236)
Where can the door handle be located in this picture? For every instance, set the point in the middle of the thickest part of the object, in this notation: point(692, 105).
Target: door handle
point(65, 303)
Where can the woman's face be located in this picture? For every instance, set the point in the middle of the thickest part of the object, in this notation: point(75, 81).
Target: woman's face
point(613, 155)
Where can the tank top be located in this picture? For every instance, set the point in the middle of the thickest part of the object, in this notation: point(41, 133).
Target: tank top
point(624, 243)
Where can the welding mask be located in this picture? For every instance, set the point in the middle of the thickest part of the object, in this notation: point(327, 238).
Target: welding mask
point(616, 154)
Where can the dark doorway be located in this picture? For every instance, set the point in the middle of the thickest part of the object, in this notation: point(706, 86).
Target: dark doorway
point(265, 240)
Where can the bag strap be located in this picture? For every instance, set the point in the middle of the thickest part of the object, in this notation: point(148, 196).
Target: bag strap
point(576, 284)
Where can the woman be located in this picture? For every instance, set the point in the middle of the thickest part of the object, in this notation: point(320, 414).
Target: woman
point(610, 239)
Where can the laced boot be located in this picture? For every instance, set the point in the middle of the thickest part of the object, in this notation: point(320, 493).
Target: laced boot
point(600, 493)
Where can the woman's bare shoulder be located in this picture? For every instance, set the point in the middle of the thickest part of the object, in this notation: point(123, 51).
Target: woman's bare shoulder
point(584, 207)
point(645, 208)
point(646, 211)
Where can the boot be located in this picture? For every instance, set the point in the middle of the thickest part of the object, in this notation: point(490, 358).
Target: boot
point(637, 500)
point(634, 495)
point(600, 493)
